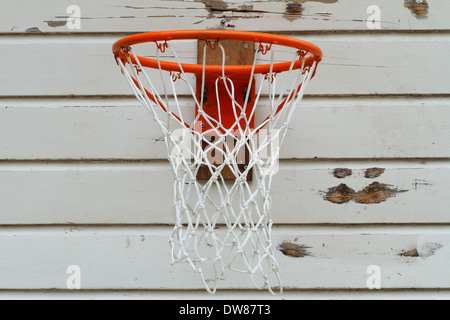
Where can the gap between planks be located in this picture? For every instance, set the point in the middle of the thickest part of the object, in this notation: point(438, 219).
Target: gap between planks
point(357, 36)
point(379, 32)
point(165, 230)
point(306, 163)
point(228, 294)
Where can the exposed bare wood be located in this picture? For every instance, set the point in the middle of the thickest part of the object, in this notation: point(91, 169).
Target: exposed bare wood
point(341, 173)
point(237, 53)
point(373, 173)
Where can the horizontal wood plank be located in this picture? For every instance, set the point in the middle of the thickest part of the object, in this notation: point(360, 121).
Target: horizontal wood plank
point(120, 128)
point(138, 258)
point(304, 192)
point(140, 16)
point(357, 64)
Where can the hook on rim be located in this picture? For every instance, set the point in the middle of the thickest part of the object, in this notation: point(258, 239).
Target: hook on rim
point(264, 48)
point(162, 46)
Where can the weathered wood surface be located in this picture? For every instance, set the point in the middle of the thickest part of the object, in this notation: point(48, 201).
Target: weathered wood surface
point(376, 116)
point(138, 258)
point(119, 128)
point(137, 16)
point(311, 192)
point(352, 65)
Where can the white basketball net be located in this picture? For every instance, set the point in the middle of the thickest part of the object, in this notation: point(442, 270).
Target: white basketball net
point(222, 225)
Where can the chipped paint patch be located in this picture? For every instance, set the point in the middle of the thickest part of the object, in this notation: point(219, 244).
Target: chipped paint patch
point(322, 1)
point(213, 6)
point(419, 8)
point(341, 173)
point(56, 24)
point(228, 12)
point(245, 8)
point(294, 250)
point(33, 30)
point(221, 6)
point(340, 194)
point(373, 173)
point(294, 11)
point(409, 253)
point(374, 193)
point(426, 250)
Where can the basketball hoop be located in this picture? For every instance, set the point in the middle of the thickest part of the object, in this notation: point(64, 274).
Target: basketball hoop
point(224, 119)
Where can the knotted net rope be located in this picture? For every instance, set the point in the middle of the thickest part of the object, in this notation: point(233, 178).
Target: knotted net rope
point(222, 225)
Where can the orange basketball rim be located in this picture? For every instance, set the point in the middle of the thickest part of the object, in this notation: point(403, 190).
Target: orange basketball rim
point(213, 36)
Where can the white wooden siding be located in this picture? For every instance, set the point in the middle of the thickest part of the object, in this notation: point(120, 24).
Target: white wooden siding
point(360, 64)
point(141, 193)
point(119, 128)
point(138, 258)
point(106, 16)
point(84, 180)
